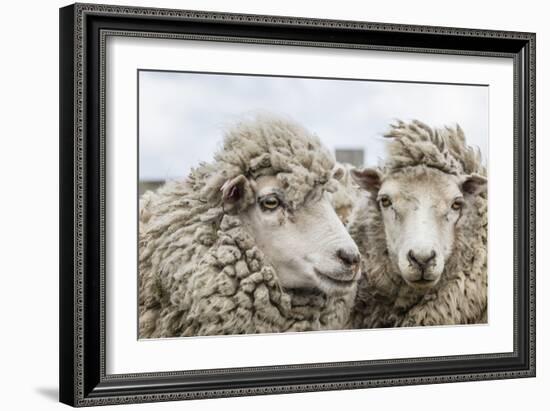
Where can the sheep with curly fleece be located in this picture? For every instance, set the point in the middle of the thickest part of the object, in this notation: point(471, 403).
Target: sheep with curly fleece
point(422, 232)
point(248, 243)
point(347, 193)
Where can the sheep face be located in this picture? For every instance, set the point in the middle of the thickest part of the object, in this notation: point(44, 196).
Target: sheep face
point(421, 210)
point(308, 247)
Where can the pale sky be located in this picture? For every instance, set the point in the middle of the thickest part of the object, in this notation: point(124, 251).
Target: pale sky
point(182, 115)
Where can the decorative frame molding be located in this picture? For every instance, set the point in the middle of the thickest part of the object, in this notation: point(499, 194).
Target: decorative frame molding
point(83, 32)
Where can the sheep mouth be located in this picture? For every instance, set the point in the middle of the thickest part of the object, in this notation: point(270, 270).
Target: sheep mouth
point(423, 283)
point(338, 282)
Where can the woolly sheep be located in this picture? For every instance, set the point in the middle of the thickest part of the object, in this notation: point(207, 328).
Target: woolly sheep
point(422, 232)
point(249, 243)
point(347, 193)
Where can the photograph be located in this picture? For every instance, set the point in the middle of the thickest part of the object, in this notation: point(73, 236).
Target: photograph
point(258, 204)
point(275, 204)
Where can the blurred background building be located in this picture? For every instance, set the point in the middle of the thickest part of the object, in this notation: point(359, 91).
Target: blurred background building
point(355, 157)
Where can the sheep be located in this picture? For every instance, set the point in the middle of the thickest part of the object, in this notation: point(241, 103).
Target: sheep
point(422, 232)
point(249, 242)
point(347, 193)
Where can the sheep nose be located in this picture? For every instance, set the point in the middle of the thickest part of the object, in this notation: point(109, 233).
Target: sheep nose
point(421, 259)
point(348, 257)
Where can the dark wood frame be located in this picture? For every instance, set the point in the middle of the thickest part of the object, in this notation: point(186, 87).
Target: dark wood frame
point(83, 30)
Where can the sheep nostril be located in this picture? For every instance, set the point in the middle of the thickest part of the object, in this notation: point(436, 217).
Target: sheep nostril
point(348, 257)
point(430, 257)
point(421, 259)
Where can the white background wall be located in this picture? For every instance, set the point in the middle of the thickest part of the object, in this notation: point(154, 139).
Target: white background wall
point(29, 204)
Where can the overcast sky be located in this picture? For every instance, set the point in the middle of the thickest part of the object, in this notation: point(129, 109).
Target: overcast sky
point(182, 115)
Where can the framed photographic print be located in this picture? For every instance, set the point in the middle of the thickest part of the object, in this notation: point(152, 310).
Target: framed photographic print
point(262, 204)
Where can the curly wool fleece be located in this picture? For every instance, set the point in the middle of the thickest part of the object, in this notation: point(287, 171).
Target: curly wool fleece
point(460, 297)
point(200, 272)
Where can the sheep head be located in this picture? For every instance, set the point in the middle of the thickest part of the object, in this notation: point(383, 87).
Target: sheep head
point(421, 209)
point(278, 183)
point(423, 196)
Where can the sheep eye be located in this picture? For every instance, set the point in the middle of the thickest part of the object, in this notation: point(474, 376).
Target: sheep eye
point(457, 204)
point(385, 202)
point(270, 203)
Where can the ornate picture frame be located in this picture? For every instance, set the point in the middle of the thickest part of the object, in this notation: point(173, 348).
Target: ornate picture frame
point(84, 30)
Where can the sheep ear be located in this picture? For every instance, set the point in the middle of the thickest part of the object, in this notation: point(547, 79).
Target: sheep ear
point(338, 172)
point(368, 178)
point(235, 190)
point(473, 184)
